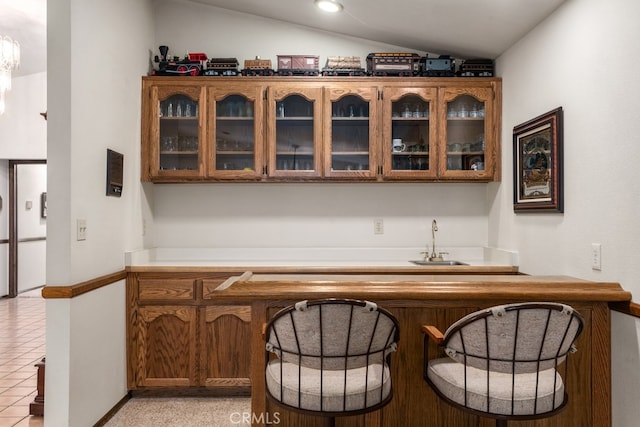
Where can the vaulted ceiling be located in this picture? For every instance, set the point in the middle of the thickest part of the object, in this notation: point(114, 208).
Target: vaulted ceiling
point(461, 28)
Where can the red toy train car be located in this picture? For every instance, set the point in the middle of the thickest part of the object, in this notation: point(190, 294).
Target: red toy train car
point(298, 65)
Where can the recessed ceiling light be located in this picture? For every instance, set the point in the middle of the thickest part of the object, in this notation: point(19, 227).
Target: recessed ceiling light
point(329, 5)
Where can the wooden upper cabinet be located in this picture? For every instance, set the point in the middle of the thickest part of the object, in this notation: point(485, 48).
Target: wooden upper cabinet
point(469, 138)
point(294, 131)
point(234, 137)
point(409, 133)
point(173, 132)
point(274, 129)
point(351, 135)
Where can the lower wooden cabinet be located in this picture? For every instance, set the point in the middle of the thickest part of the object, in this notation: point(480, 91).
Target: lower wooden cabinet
point(166, 347)
point(226, 346)
point(178, 339)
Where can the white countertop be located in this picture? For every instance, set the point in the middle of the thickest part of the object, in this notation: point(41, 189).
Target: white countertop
point(312, 257)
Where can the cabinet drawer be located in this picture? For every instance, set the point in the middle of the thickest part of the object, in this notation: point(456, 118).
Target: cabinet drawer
point(172, 289)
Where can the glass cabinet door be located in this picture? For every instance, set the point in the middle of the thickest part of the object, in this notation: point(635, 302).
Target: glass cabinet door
point(467, 116)
point(349, 133)
point(178, 142)
point(409, 132)
point(294, 132)
point(236, 147)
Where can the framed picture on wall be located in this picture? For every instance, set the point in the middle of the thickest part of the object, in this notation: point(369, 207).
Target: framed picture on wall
point(537, 164)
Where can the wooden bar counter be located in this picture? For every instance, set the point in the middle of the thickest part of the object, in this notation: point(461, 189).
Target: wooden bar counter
point(439, 300)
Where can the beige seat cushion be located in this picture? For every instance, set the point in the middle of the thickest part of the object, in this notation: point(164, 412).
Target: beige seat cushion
point(377, 389)
point(448, 377)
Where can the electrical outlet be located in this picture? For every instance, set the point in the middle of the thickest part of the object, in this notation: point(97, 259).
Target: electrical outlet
point(378, 226)
point(596, 256)
point(81, 229)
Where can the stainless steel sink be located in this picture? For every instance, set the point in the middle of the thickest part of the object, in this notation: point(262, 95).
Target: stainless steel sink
point(447, 262)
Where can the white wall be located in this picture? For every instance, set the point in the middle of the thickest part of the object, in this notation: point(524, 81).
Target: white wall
point(294, 215)
point(23, 131)
point(97, 53)
point(583, 59)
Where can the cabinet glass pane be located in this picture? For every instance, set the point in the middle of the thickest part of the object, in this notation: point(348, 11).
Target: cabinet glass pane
point(179, 144)
point(235, 145)
point(294, 134)
point(409, 145)
point(350, 134)
point(465, 134)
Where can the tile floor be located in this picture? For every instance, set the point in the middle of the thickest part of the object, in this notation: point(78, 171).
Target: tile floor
point(22, 345)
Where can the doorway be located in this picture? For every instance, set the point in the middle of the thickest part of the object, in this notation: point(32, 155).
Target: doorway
point(27, 225)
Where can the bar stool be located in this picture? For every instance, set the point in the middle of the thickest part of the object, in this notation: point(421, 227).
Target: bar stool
point(503, 361)
point(330, 357)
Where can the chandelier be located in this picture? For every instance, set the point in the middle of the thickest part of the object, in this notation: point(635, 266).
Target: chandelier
point(9, 60)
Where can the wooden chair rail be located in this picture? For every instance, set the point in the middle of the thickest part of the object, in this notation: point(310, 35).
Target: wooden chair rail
point(71, 291)
point(631, 308)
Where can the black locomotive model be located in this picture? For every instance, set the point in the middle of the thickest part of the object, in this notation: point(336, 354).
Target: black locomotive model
point(221, 67)
point(442, 66)
point(190, 65)
point(476, 68)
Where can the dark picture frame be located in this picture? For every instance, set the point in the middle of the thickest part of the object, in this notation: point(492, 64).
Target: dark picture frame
point(537, 164)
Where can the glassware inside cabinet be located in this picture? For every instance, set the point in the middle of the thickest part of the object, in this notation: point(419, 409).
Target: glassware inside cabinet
point(235, 144)
point(465, 133)
point(409, 145)
point(179, 140)
point(350, 134)
point(294, 134)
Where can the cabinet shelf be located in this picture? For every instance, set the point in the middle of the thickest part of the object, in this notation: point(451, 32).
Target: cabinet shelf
point(179, 153)
point(235, 118)
point(294, 119)
point(465, 119)
point(350, 153)
point(465, 153)
point(410, 119)
point(350, 119)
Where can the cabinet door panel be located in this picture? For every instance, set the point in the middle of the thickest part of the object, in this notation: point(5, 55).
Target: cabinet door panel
point(235, 126)
point(226, 353)
point(167, 352)
point(294, 132)
point(175, 141)
point(468, 146)
point(351, 134)
point(410, 140)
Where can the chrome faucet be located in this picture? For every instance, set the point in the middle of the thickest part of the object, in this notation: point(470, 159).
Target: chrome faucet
point(433, 256)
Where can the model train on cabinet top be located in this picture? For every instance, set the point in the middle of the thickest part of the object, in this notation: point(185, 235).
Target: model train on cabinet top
point(377, 64)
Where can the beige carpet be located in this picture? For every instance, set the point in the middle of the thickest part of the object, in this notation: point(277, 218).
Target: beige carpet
point(183, 412)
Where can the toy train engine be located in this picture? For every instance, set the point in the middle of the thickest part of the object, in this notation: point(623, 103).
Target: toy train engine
point(190, 65)
point(298, 65)
point(477, 68)
point(393, 64)
point(257, 67)
point(343, 66)
point(442, 66)
point(221, 67)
